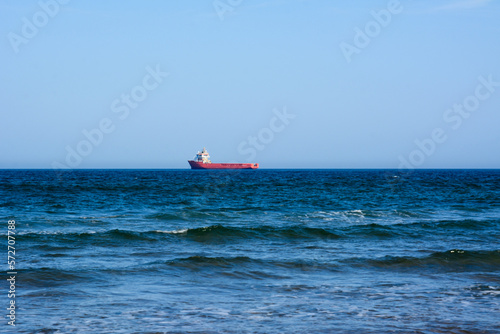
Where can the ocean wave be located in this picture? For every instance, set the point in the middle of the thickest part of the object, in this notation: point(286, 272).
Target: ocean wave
point(200, 234)
point(186, 215)
point(51, 277)
point(455, 260)
point(417, 228)
point(212, 261)
point(363, 216)
point(189, 213)
point(218, 233)
point(228, 266)
point(256, 267)
point(180, 231)
point(461, 224)
point(221, 233)
point(73, 237)
point(292, 232)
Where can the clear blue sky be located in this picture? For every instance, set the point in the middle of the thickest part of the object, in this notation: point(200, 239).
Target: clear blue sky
point(358, 100)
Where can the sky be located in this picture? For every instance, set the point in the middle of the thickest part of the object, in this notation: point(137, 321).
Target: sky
point(283, 83)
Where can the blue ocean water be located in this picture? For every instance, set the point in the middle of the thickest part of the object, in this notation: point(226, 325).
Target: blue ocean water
point(265, 251)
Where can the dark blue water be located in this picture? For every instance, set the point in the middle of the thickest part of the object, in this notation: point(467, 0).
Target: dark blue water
point(266, 251)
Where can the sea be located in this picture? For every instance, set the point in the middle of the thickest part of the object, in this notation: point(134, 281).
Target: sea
point(250, 251)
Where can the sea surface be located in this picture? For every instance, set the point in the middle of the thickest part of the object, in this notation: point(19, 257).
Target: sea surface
point(262, 251)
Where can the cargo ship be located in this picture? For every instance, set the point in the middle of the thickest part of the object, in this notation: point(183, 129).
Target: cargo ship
point(202, 161)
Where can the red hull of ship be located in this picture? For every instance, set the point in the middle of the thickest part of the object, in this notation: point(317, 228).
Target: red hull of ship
point(201, 165)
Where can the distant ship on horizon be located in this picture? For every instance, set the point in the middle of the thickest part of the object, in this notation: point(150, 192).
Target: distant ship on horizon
point(202, 161)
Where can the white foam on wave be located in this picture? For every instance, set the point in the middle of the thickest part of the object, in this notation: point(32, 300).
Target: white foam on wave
point(55, 232)
point(181, 231)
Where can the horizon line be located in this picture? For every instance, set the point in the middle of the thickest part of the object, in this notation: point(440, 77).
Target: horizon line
point(271, 168)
